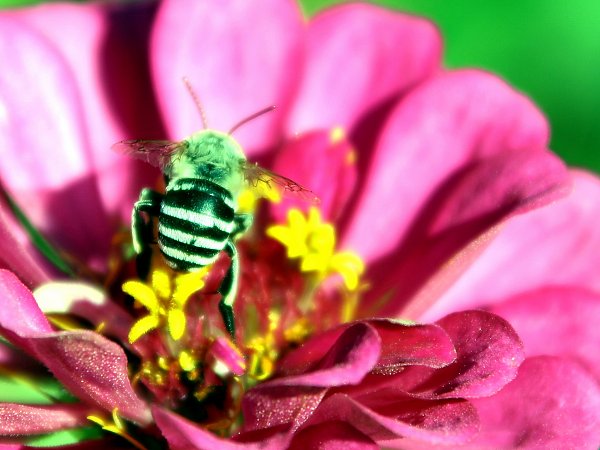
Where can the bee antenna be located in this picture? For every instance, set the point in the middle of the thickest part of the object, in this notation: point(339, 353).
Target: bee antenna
point(251, 117)
point(196, 101)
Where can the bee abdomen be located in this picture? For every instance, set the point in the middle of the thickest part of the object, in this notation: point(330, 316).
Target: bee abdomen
point(195, 222)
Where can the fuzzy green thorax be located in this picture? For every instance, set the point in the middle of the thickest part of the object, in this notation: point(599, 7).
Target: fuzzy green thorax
point(210, 155)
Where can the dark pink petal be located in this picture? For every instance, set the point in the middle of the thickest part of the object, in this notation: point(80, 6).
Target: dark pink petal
point(357, 56)
point(39, 419)
point(288, 406)
point(332, 436)
point(323, 163)
point(89, 365)
point(92, 368)
point(555, 245)
point(184, 435)
point(445, 123)
point(239, 57)
point(463, 214)
point(435, 422)
point(348, 360)
point(405, 345)
point(557, 321)
point(489, 353)
point(552, 403)
point(45, 162)
point(104, 48)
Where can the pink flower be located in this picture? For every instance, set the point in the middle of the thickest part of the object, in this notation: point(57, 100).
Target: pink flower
point(438, 182)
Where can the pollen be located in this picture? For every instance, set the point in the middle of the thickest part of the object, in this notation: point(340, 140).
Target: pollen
point(312, 242)
point(249, 197)
point(337, 134)
point(164, 297)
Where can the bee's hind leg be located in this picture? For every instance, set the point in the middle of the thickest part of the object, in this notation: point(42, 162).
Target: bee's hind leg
point(142, 230)
point(228, 289)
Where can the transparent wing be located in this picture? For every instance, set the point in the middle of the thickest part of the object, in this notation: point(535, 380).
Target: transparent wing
point(261, 178)
point(156, 153)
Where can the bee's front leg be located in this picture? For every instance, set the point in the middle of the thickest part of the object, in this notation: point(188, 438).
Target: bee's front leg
point(142, 230)
point(228, 289)
point(242, 223)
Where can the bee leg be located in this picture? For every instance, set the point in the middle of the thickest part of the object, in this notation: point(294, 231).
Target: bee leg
point(242, 223)
point(142, 231)
point(228, 289)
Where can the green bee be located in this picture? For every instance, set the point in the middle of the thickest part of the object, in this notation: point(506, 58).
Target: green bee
point(197, 216)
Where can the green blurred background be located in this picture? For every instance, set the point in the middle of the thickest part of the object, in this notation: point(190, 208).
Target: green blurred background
point(550, 49)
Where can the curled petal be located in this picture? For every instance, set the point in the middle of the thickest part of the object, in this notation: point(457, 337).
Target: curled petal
point(184, 435)
point(39, 419)
point(357, 56)
point(239, 61)
point(552, 403)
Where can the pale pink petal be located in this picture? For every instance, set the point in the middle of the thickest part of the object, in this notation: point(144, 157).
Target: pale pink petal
point(435, 422)
point(39, 419)
point(332, 435)
point(555, 245)
point(444, 124)
point(104, 47)
point(324, 164)
point(359, 55)
point(552, 403)
point(557, 321)
point(239, 57)
point(184, 435)
point(45, 162)
point(463, 212)
point(228, 354)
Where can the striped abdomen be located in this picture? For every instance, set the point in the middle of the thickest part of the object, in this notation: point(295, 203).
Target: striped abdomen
point(195, 223)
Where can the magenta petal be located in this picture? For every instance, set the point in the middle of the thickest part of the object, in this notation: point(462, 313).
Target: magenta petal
point(46, 165)
point(489, 353)
point(442, 125)
point(239, 57)
point(350, 358)
point(435, 422)
point(39, 419)
point(92, 368)
point(557, 321)
point(323, 163)
point(535, 250)
point(184, 435)
point(552, 403)
point(463, 215)
point(357, 56)
point(332, 436)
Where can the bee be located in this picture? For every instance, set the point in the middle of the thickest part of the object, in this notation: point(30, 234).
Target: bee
point(197, 215)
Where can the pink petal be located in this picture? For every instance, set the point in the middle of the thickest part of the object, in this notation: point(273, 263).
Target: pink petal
point(89, 365)
point(240, 57)
point(555, 245)
point(354, 353)
point(551, 404)
point(332, 436)
point(184, 435)
point(442, 125)
point(322, 163)
point(557, 321)
point(435, 422)
point(46, 164)
point(357, 56)
point(225, 351)
point(462, 214)
point(92, 368)
point(39, 419)
point(17, 253)
point(104, 48)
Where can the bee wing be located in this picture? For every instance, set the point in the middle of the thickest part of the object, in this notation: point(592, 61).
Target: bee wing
point(257, 176)
point(156, 153)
